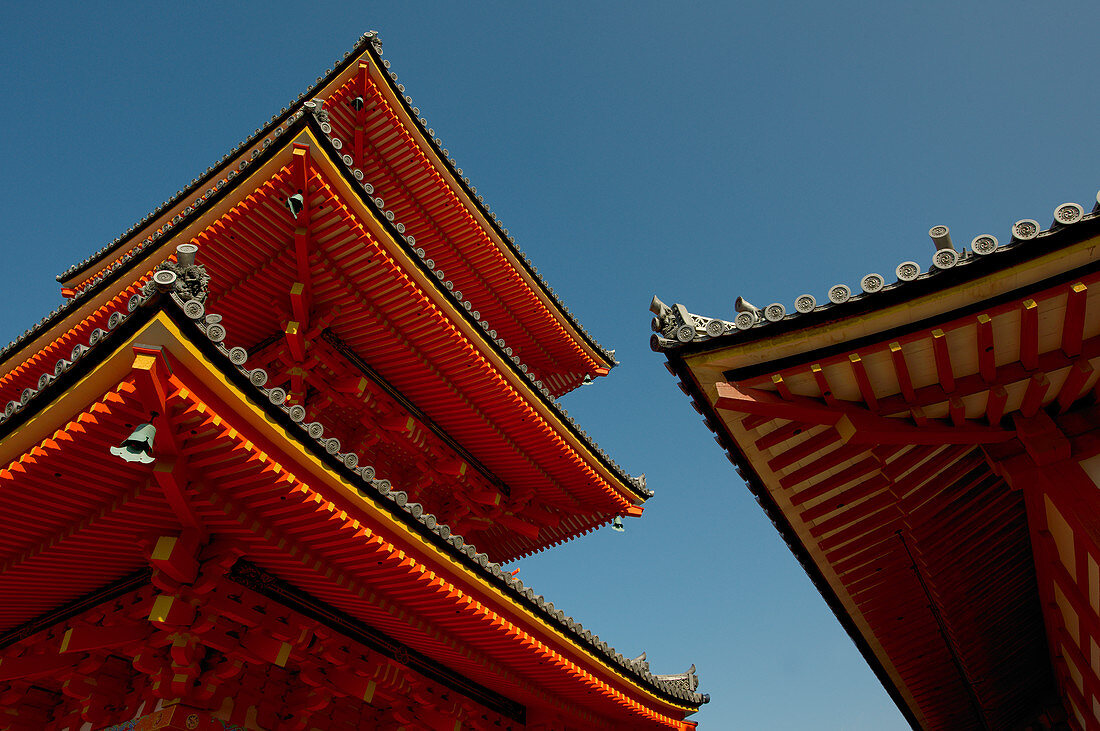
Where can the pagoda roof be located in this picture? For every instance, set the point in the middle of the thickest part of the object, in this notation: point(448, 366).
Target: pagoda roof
point(677, 330)
point(872, 431)
point(87, 310)
point(339, 82)
point(196, 340)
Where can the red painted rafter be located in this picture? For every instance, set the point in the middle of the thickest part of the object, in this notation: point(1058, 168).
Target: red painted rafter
point(942, 355)
point(1073, 325)
point(854, 424)
point(987, 357)
point(1079, 373)
point(823, 384)
point(1029, 334)
point(901, 369)
point(866, 390)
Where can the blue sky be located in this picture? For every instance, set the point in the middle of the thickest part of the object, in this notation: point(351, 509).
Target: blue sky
point(699, 151)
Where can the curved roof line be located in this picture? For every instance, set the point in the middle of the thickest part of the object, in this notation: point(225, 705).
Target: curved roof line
point(371, 44)
point(678, 330)
point(293, 123)
point(142, 308)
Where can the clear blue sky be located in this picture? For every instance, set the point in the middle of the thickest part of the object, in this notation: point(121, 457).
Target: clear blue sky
point(699, 151)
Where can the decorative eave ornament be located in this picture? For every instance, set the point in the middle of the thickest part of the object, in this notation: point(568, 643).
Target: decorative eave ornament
point(675, 326)
point(183, 277)
point(138, 447)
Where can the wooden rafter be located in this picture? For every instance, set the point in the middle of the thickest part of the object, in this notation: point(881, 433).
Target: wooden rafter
point(855, 425)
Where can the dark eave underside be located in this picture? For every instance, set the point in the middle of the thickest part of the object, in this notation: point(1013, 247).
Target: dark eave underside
point(790, 537)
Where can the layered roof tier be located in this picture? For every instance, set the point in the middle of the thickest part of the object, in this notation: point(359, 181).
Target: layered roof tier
point(390, 300)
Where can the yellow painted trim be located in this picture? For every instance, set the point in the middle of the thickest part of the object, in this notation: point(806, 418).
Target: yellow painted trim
point(161, 607)
point(164, 547)
point(284, 655)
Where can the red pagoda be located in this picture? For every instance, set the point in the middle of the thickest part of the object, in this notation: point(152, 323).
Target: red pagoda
point(258, 470)
point(929, 448)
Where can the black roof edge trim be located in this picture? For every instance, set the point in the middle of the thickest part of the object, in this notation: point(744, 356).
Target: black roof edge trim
point(1016, 253)
point(901, 331)
point(337, 69)
point(210, 350)
point(485, 213)
point(147, 252)
point(772, 510)
point(397, 236)
point(82, 366)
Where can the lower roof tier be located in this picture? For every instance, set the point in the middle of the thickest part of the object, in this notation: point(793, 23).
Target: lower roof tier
point(236, 473)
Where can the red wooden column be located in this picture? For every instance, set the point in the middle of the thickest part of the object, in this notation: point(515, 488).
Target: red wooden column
point(1063, 512)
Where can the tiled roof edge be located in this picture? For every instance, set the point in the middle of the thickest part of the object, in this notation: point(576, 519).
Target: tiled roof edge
point(397, 230)
point(277, 121)
point(675, 328)
point(479, 201)
point(139, 250)
point(150, 300)
point(680, 687)
point(373, 45)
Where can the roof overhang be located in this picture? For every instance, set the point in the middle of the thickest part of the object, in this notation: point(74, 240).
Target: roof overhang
point(67, 425)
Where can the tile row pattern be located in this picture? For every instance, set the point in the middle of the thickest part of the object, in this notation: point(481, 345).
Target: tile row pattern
point(159, 292)
point(673, 326)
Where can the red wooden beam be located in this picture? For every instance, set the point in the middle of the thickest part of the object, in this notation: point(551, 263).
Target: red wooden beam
point(300, 176)
point(171, 475)
point(901, 369)
point(943, 360)
point(855, 425)
point(295, 341)
point(804, 449)
point(151, 374)
point(957, 411)
point(987, 358)
point(1029, 334)
point(863, 381)
point(1037, 388)
point(781, 386)
point(1073, 326)
point(823, 384)
point(995, 405)
point(361, 114)
point(1078, 374)
point(1007, 374)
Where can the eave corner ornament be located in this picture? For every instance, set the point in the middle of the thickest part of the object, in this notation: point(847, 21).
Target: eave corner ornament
point(183, 277)
point(674, 325)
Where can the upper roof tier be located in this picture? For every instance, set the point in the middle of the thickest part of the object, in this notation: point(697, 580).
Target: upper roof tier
point(407, 166)
point(331, 288)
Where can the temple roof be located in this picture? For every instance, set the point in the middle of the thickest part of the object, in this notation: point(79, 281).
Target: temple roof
point(871, 430)
point(677, 329)
point(24, 363)
point(206, 331)
point(205, 185)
